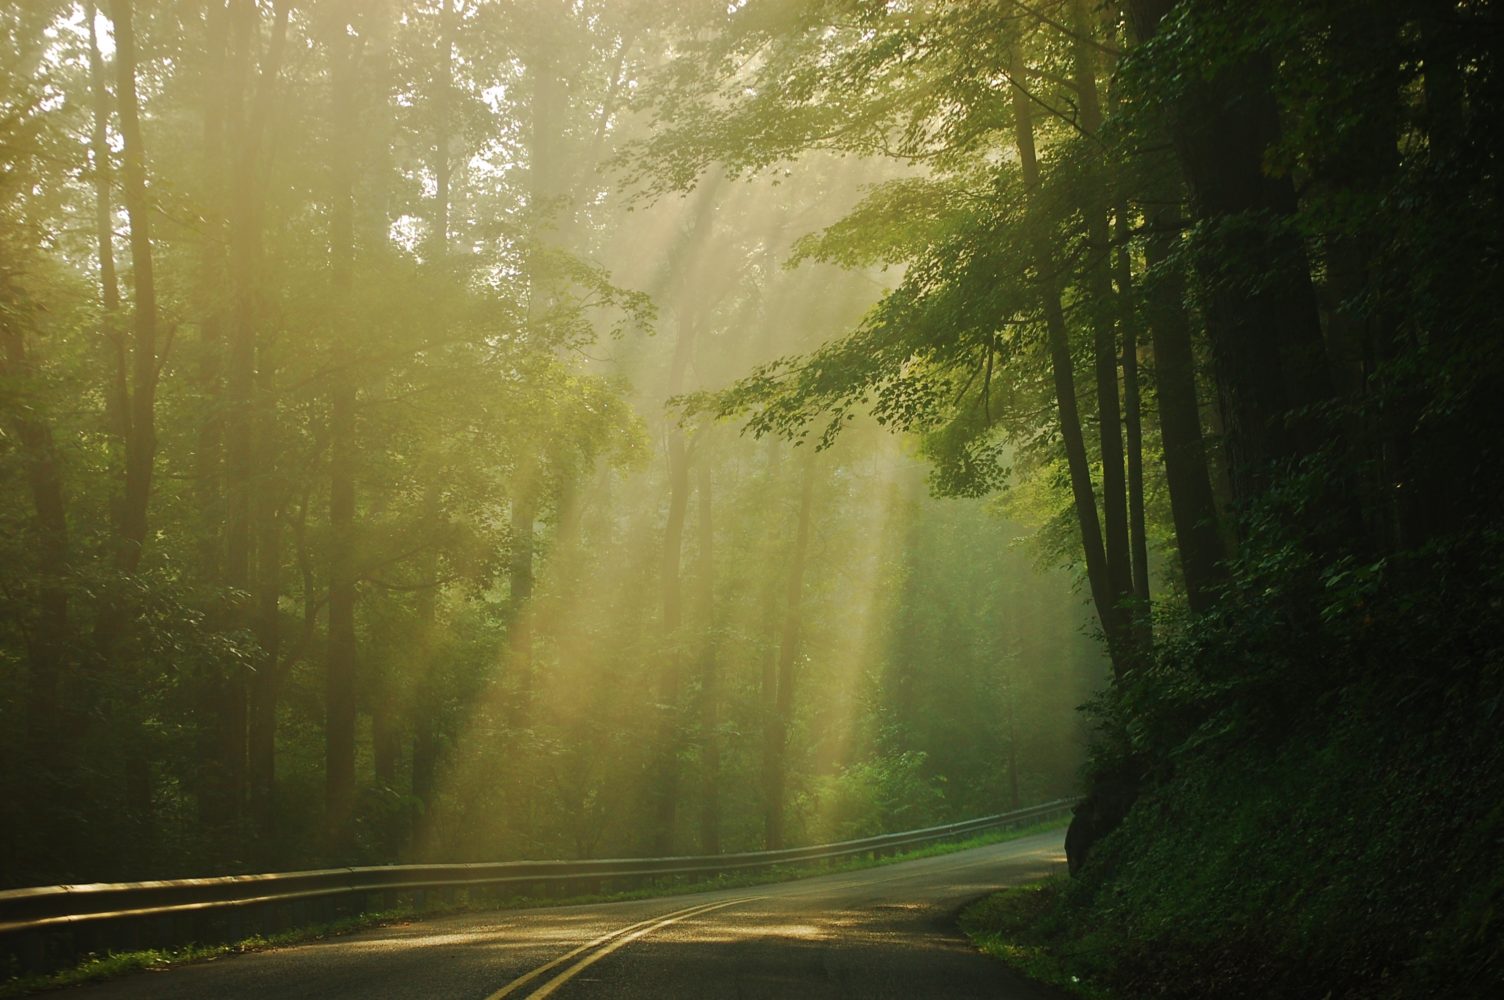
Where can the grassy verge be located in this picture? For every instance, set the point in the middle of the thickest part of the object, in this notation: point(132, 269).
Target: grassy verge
point(96, 968)
point(1357, 859)
point(1021, 927)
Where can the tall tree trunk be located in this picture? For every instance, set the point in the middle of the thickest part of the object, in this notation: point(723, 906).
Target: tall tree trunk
point(443, 112)
point(1103, 313)
point(425, 709)
point(425, 723)
point(1015, 798)
point(266, 490)
point(117, 384)
point(1193, 505)
point(1133, 421)
point(1063, 374)
point(776, 736)
point(670, 673)
point(522, 581)
point(117, 392)
point(224, 715)
point(710, 673)
point(46, 639)
point(1267, 348)
point(339, 696)
point(266, 683)
point(141, 443)
point(213, 275)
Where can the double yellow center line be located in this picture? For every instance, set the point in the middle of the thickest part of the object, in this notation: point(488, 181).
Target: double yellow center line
point(594, 951)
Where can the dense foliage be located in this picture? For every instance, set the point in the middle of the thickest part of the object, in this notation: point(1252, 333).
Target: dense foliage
point(371, 490)
point(344, 519)
point(1221, 281)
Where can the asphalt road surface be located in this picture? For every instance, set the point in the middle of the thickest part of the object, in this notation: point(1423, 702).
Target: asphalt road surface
point(887, 933)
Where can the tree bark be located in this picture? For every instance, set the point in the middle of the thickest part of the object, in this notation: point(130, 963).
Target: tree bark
point(208, 455)
point(522, 582)
point(1103, 313)
point(1133, 422)
point(266, 490)
point(1063, 374)
point(340, 708)
point(141, 442)
point(710, 677)
point(117, 391)
point(1261, 311)
point(670, 674)
point(775, 750)
point(46, 639)
point(443, 111)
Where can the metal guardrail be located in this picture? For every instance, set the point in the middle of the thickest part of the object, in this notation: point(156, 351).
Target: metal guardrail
point(48, 927)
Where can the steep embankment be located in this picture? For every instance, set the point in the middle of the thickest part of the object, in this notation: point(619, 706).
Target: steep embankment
point(1324, 809)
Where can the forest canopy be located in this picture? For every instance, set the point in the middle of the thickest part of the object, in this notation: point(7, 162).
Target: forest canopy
point(468, 429)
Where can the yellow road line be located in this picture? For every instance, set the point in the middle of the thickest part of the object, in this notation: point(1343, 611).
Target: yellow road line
point(548, 988)
point(645, 926)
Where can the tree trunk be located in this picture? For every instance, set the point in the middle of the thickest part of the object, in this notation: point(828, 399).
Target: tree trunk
point(1015, 798)
point(340, 709)
point(522, 581)
point(141, 442)
point(267, 496)
point(1265, 331)
point(1193, 506)
point(46, 639)
point(1133, 425)
point(1063, 374)
point(670, 674)
point(424, 712)
point(710, 677)
point(443, 111)
point(1103, 313)
point(117, 392)
point(218, 75)
point(425, 708)
point(775, 751)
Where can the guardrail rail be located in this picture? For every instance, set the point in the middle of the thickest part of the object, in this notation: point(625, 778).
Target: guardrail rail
point(51, 927)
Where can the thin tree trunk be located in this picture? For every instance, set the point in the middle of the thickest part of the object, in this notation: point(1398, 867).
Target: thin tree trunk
point(522, 583)
point(670, 674)
point(212, 278)
point(1133, 421)
point(443, 111)
point(425, 729)
point(1103, 313)
point(266, 683)
point(45, 641)
point(710, 676)
point(1193, 505)
point(775, 750)
point(117, 392)
point(266, 491)
point(425, 723)
point(117, 385)
point(141, 443)
point(340, 709)
point(1015, 798)
point(1063, 374)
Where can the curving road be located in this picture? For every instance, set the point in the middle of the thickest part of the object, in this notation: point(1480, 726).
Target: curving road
point(887, 932)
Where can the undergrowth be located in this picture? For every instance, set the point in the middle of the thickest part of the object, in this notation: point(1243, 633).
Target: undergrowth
point(1322, 813)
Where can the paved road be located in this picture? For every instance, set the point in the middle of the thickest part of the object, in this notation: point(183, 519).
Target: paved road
point(887, 933)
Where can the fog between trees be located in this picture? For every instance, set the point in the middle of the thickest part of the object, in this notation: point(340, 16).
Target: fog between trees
point(353, 510)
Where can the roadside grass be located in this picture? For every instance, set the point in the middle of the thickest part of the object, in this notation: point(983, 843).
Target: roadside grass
point(1021, 927)
point(97, 968)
